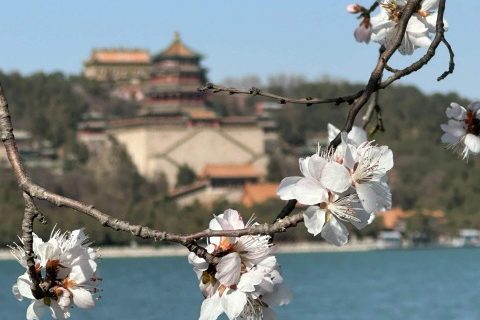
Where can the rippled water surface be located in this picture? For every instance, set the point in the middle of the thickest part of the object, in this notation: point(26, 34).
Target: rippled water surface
point(411, 284)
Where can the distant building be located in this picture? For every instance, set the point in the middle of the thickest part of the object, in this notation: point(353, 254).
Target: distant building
point(161, 144)
point(117, 65)
point(467, 238)
point(172, 88)
point(234, 183)
point(174, 126)
point(34, 153)
point(258, 193)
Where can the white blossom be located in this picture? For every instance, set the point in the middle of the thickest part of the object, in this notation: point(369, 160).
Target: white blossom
point(420, 27)
point(245, 278)
point(327, 218)
point(462, 131)
point(368, 165)
point(68, 263)
point(321, 174)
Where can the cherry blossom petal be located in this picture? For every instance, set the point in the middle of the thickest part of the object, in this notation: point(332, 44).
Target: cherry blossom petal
point(416, 27)
point(233, 303)
point(282, 295)
point(429, 5)
point(24, 286)
point(449, 138)
point(211, 308)
point(316, 166)
point(431, 22)
point(454, 130)
point(406, 47)
point(374, 195)
point(249, 280)
point(335, 177)
point(473, 143)
point(362, 33)
point(357, 135)
point(309, 191)
point(197, 262)
point(234, 219)
point(35, 310)
point(303, 163)
point(228, 269)
point(286, 187)
point(82, 298)
point(267, 264)
point(456, 111)
point(314, 219)
point(335, 232)
point(16, 293)
point(474, 106)
point(365, 217)
point(332, 132)
point(421, 42)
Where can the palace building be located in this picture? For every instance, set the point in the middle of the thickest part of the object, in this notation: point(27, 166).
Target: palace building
point(117, 65)
point(175, 127)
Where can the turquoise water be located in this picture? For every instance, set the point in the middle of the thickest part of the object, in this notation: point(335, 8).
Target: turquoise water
point(410, 284)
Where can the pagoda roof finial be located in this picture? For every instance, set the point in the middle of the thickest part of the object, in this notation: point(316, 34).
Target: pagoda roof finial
point(177, 50)
point(177, 37)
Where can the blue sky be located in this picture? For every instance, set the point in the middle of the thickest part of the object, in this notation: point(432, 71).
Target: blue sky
point(239, 38)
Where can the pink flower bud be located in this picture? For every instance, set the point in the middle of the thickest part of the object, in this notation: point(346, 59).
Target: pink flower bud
point(354, 8)
point(363, 31)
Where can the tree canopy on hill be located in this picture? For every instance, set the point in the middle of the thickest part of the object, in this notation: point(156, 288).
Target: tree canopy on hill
point(50, 105)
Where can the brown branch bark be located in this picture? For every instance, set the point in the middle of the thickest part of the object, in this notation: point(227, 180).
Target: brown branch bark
point(27, 239)
point(308, 101)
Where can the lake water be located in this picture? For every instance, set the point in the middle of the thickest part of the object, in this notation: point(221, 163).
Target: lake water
point(404, 284)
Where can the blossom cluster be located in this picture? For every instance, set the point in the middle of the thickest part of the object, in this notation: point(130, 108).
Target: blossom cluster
point(345, 185)
point(246, 282)
point(382, 28)
point(462, 131)
point(68, 272)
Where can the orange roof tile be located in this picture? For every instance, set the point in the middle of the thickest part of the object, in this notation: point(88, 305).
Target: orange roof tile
point(230, 171)
point(200, 113)
point(120, 56)
point(258, 193)
point(393, 216)
point(178, 49)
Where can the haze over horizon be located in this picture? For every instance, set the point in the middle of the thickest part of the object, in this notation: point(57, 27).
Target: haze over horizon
point(312, 39)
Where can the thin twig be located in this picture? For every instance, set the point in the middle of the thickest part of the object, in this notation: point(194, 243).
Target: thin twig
point(451, 64)
point(308, 101)
point(372, 84)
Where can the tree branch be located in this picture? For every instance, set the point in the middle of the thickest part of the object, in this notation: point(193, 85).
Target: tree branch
point(376, 75)
point(27, 239)
point(451, 64)
point(32, 190)
point(439, 36)
point(308, 101)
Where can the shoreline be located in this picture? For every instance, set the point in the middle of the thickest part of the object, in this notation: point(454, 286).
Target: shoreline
point(179, 251)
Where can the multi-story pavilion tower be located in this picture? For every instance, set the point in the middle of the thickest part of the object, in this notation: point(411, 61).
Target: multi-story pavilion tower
point(175, 77)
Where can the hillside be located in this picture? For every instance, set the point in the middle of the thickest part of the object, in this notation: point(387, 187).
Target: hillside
point(50, 106)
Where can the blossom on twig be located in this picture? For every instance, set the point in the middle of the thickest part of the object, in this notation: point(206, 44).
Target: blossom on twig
point(419, 28)
point(462, 131)
point(246, 282)
point(66, 264)
point(346, 185)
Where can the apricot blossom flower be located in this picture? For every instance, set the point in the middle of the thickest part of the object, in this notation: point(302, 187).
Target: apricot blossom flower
point(67, 264)
point(462, 132)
